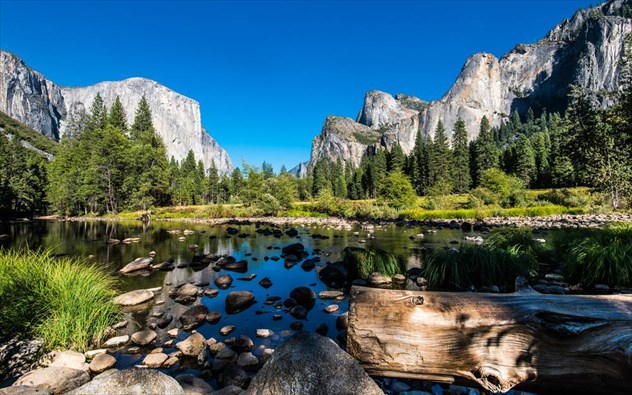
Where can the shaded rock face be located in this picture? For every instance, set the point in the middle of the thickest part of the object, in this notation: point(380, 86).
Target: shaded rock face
point(18, 356)
point(584, 50)
point(308, 363)
point(32, 99)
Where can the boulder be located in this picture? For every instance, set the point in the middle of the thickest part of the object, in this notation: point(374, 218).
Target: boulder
point(304, 297)
point(54, 378)
point(193, 345)
point(64, 359)
point(334, 275)
point(237, 266)
point(238, 301)
point(102, 362)
point(296, 249)
point(18, 357)
point(133, 298)
point(194, 317)
point(136, 265)
point(132, 381)
point(224, 281)
point(25, 390)
point(331, 294)
point(308, 363)
point(117, 341)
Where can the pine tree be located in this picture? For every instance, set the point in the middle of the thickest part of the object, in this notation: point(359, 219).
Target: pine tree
point(441, 159)
point(117, 117)
point(267, 170)
point(143, 127)
point(460, 158)
point(213, 183)
point(525, 163)
point(98, 117)
point(486, 152)
point(396, 158)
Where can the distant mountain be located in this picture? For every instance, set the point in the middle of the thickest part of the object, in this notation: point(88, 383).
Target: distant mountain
point(299, 170)
point(27, 136)
point(584, 50)
point(29, 97)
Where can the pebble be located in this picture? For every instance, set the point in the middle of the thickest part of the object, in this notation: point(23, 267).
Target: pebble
point(227, 330)
point(155, 360)
point(173, 332)
point(264, 333)
point(332, 308)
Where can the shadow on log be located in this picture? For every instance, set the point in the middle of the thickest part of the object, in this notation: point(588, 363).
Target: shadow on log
point(543, 343)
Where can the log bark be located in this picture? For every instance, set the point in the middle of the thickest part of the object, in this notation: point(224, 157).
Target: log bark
point(498, 341)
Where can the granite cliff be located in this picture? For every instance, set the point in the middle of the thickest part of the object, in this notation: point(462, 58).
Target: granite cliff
point(29, 97)
point(584, 50)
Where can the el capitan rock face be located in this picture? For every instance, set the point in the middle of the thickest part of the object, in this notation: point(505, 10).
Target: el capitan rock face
point(48, 108)
point(584, 50)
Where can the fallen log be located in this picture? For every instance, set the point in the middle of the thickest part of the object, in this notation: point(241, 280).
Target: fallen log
point(498, 341)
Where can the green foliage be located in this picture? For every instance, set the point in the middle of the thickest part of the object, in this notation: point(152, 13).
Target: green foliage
point(601, 256)
point(508, 191)
point(478, 266)
point(364, 262)
point(461, 177)
point(440, 158)
point(567, 197)
point(66, 302)
point(396, 191)
point(10, 126)
point(515, 239)
point(485, 152)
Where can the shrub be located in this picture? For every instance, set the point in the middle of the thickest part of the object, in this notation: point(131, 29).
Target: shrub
point(601, 256)
point(567, 197)
point(363, 262)
point(508, 190)
point(478, 266)
point(63, 301)
point(397, 191)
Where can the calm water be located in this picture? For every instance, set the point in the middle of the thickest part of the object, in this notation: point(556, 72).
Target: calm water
point(84, 239)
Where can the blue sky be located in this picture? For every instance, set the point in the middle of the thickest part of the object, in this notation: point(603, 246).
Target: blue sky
point(267, 73)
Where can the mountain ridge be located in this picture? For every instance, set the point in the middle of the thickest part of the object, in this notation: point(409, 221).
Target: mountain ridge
point(26, 95)
point(584, 50)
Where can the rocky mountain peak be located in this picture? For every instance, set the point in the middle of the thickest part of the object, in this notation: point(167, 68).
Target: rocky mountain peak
point(29, 97)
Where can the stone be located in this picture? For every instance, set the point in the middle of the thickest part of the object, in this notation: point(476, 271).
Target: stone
point(330, 294)
point(226, 354)
point(234, 375)
point(292, 370)
point(164, 321)
point(143, 338)
point(25, 390)
point(213, 317)
point(237, 266)
point(295, 249)
point(64, 359)
point(54, 378)
point(188, 290)
point(264, 333)
point(93, 353)
point(243, 343)
point(247, 361)
point(173, 332)
point(211, 292)
point(18, 357)
point(238, 301)
point(193, 345)
point(399, 278)
point(194, 317)
point(298, 312)
point(133, 298)
point(170, 362)
point(155, 360)
point(227, 330)
point(332, 308)
point(342, 321)
point(304, 297)
point(136, 265)
point(116, 341)
point(378, 279)
point(133, 381)
point(193, 385)
point(224, 281)
point(102, 362)
point(265, 282)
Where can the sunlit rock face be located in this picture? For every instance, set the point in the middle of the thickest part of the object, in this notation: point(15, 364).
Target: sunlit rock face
point(584, 50)
point(32, 99)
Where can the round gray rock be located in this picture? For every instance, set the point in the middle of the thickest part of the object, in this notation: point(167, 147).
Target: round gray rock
point(133, 298)
point(292, 370)
point(132, 381)
point(102, 362)
point(56, 379)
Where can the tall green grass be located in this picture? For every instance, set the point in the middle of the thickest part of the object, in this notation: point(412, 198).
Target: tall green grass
point(600, 256)
point(520, 239)
point(363, 262)
point(478, 266)
point(66, 302)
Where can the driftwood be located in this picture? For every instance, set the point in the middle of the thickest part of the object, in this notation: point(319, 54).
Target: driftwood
point(537, 342)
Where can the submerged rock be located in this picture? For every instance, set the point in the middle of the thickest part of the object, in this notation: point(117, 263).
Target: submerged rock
point(194, 317)
point(238, 301)
point(292, 370)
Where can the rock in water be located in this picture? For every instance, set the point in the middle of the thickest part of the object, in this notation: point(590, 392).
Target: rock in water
point(56, 379)
point(193, 345)
point(194, 317)
point(102, 362)
point(304, 297)
point(137, 264)
point(308, 363)
point(132, 381)
point(295, 249)
point(238, 301)
point(133, 298)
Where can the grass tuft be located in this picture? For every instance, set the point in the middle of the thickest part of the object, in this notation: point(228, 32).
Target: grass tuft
point(66, 302)
point(520, 239)
point(363, 262)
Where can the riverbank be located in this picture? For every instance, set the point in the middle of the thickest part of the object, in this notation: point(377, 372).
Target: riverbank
point(556, 221)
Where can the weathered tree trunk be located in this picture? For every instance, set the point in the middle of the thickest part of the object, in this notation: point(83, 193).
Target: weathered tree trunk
point(540, 342)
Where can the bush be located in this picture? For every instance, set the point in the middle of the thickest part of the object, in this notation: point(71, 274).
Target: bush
point(363, 262)
point(63, 301)
point(478, 266)
point(601, 256)
point(396, 191)
point(503, 189)
point(567, 197)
